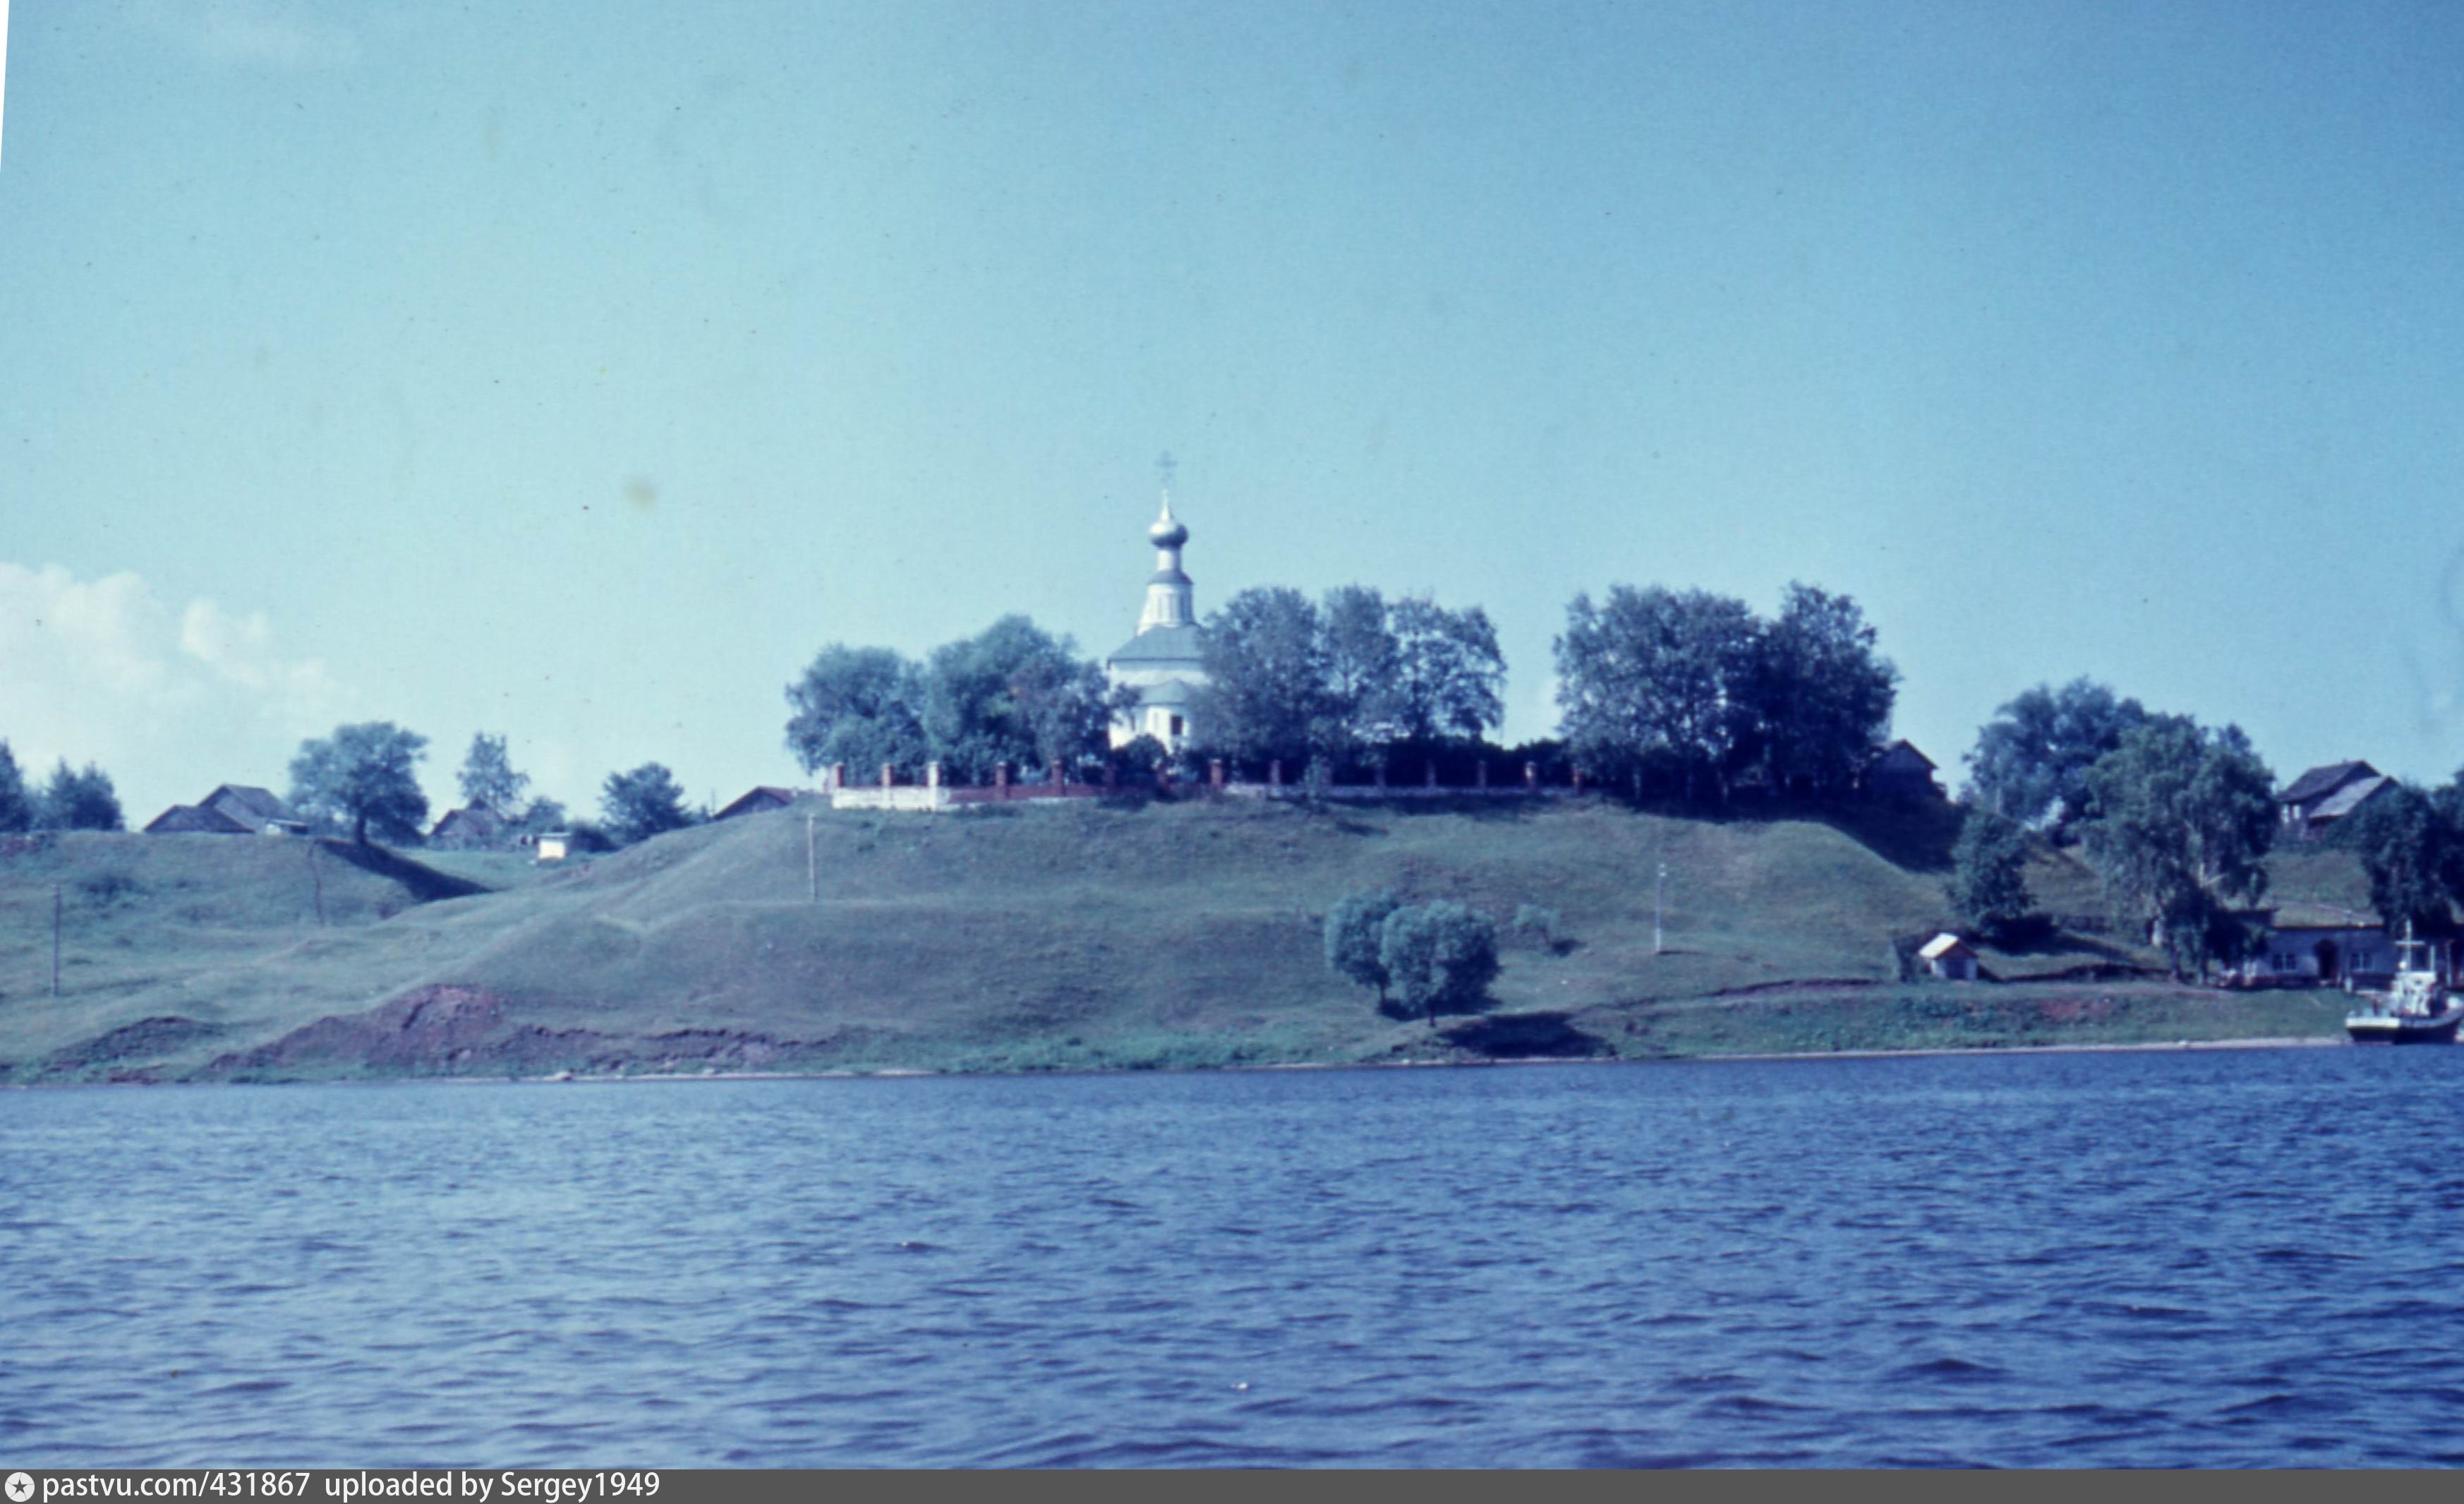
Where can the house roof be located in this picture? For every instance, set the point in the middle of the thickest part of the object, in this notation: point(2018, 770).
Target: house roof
point(246, 800)
point(2322, 917)
point(1904, 744)
point(2324, 780)
point(479, 815)
point(1179, 643)
point(2351, 797)
point(755, 800)
point(1946, 944)
point(197, 819)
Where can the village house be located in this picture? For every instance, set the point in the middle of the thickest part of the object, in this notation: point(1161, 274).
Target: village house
point(2321, 944)
point(473, 827)
point(1164, 662)
point(231, 810)
point(2312, 804)
point(1900, 771)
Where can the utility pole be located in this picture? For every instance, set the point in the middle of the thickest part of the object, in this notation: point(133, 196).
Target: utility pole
point(1659, 902)
point(55, 940)
point(812, 870)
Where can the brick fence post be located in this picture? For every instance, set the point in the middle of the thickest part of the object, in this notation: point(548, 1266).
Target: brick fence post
point(889, 775)
point(1579, 780)
point(1429, 774)
point(1000, 779)
point(1275, 774)
point(1484, 775)
point(1215, 774)
point(1530, 778)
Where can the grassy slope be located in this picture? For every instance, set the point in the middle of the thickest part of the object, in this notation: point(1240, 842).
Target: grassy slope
point(1066, 937)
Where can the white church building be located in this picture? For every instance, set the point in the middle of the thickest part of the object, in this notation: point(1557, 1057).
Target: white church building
point(1162, 662)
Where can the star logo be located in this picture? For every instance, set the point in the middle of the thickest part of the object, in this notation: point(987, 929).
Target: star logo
point(21, 1488)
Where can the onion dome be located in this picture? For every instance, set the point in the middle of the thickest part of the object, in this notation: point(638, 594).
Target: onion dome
point(1167, 532)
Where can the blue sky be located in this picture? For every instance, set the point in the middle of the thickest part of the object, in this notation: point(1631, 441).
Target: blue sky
point(576, 371)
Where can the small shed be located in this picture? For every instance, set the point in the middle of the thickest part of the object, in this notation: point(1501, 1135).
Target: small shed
point(553, 844)
point(1948, 956)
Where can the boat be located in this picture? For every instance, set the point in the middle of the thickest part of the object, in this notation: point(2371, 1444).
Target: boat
point(2414, 1009)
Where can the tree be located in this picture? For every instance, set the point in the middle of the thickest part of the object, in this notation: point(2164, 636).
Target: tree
point(2181, 819)
point(2413, 854)
point(1011, 693)
point(17, 811)
point(1438, 955)
point(363, 776)
point(74, 800)
point(859, 706)
point(641, 804)
point(1989, 883)
point(1355, 929)
point(1449, 674)
point(1362, 667)
point(1653, 676)
point(488, 778)
point(1820, 693)
point(1265, 690)
point(2031, 762)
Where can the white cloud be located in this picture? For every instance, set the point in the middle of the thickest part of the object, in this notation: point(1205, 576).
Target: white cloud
point(169, 701)
point(255, 33)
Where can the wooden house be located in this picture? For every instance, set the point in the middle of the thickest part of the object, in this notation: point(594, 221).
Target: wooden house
point(1900, 771)
point(231, 810)
point(2312, 804)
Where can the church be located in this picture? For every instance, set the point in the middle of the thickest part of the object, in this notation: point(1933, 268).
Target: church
point(1162, 662)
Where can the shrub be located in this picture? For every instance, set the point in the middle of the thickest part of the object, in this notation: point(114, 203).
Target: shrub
point(1536, 925)
point(1353, 928)
point(1438, 955)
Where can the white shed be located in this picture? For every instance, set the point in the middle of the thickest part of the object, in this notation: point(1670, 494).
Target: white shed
point(1948, 956)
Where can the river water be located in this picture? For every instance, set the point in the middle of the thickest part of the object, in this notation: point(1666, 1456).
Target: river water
point(2210, 1257)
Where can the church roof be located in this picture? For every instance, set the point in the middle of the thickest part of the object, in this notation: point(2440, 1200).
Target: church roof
point(1176, 643)
point(1171, 692)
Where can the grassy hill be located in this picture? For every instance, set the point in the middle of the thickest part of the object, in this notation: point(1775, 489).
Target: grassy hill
point(1046, 938)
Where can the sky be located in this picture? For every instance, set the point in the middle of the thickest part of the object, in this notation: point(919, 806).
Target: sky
point(576, 372)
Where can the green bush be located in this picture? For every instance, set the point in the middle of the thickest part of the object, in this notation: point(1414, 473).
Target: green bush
point(1354, 929)
point(1438, 955)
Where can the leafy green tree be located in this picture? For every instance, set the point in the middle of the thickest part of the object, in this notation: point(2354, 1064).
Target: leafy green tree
point(1354, 930)
point(1265, 690)
point(2182, 818)
point(641, 804)
point(1450, 675)
point(1989, 883)
point(79, 801)
point(2031, 762)
point(17, 809)
point(1655, 677)
point(2413, 854)
point(1438, 956)
point(1820, 693)
point(1012, 694)
point(1362, 666)
point(488, 777)
point(860, 706)
point(365, 777)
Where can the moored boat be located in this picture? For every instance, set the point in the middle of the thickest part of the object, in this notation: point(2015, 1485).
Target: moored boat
point(2415, 1009)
